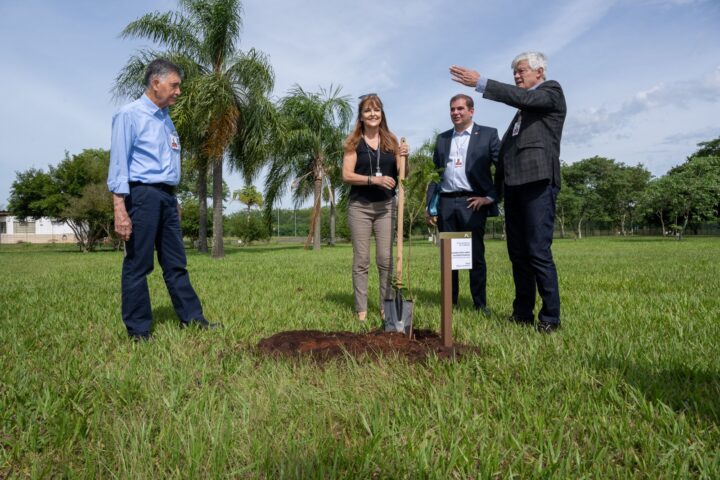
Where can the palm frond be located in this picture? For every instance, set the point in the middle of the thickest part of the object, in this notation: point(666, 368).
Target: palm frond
point(253, 145)
point(129, 82)
point(279, 175)
point(252, 71)
point(170, 29)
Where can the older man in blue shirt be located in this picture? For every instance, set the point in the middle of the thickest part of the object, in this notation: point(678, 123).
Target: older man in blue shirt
point(144, 171)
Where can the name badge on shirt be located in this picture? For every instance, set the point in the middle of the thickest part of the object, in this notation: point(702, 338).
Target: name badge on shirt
point(516, 128)
point(174, 142)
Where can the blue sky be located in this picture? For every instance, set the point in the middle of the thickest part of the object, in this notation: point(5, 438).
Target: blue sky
point(641, 77)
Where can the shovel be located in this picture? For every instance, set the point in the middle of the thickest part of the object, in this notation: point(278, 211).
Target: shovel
point(398, 311)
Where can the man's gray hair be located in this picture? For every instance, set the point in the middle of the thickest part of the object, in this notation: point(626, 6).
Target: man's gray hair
point(535, 60)
point(159, 68)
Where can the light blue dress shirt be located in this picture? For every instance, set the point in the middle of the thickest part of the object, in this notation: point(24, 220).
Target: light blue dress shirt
point(144, 147)
point(454, 177)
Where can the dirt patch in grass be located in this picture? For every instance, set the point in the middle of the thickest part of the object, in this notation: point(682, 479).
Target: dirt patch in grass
point(327, 345)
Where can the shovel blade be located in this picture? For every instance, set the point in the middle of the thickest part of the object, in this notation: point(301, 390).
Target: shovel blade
point(398, 315)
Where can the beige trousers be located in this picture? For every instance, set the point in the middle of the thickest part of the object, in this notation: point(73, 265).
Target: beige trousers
point(363, 220)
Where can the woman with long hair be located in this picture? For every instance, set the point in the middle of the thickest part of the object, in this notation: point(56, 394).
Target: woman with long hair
point(370, 166)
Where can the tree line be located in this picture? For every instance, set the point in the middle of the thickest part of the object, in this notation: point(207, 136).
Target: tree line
point(595, 189)
point(604, 190)
point(226, 116)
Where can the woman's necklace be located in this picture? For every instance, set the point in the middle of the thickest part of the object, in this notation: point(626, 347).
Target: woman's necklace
point(378, 173)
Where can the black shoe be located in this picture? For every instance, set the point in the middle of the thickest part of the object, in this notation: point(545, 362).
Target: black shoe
point(483, 309)
point(547, 327)
point(140, 337)
point(202, 325)
point(520, 320)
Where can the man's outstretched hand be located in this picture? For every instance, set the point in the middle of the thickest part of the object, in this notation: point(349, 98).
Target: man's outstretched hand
point(465, 76)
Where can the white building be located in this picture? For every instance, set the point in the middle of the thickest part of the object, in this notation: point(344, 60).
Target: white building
point(43, 230)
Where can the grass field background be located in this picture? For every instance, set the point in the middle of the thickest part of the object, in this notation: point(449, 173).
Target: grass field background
point(630, 387)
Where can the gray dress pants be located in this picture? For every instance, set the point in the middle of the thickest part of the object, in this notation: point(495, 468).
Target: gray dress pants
point(363, 220)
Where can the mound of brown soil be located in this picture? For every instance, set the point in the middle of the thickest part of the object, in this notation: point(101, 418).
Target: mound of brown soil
point(327, 345)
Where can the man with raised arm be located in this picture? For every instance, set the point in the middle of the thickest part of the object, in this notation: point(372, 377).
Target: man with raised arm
point(529, 178)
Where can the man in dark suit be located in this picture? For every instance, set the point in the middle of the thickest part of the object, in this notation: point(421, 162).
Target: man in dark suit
point(529, 177)
point(464, 155)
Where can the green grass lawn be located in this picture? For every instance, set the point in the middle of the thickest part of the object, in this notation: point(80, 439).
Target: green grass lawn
point(630, 387)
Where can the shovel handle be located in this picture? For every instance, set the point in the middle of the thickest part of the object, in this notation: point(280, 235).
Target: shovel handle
point(400, 215)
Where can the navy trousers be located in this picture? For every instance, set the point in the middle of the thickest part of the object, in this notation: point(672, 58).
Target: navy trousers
point(529, 223)
point(155, 226)
point(455, 216)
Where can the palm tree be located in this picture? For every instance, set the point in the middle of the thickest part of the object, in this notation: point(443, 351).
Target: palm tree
point(313, 128)
point(249, 196)
point(417, 181)
point(334, 190)
point(224, 109)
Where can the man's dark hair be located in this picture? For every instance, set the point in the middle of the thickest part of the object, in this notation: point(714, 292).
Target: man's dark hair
point(468, 100)
point(159, 68)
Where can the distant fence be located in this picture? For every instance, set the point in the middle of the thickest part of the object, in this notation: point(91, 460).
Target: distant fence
point(8, 238)
point(494, 229)
point(604, 230)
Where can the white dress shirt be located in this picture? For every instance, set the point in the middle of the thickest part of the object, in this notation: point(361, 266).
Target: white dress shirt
point(454, 177)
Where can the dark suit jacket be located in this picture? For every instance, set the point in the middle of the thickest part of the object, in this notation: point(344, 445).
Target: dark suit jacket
point(534, 153)
point(483, 149)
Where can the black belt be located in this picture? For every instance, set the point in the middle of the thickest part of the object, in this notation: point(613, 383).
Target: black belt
point(459, 194)
point(169, 189)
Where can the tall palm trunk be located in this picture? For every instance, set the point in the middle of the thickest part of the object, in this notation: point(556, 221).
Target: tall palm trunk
point(332, 223)
point(314, 232)
point(331, 198)
point(202, 208)
point(318, 198)
point(218, 250)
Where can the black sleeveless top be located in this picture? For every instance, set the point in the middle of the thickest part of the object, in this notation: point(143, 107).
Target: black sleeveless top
point(366, 165)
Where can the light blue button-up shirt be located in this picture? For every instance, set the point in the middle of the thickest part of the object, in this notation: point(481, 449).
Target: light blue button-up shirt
point(454, 177)
point(144, 147)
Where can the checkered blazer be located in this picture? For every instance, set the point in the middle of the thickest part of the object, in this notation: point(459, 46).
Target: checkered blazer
point(532, 154)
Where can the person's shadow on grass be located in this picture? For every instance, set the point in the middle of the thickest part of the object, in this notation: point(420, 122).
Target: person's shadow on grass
point(417, 295)
point(342, 299)
point(164, 314)
point(693, 391)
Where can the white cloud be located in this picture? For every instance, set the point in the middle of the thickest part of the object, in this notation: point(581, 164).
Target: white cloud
point(585, 125)
point(57, 79)
point(669, 3)
point(570, 21)
point(352, 44)
point(695, 136)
